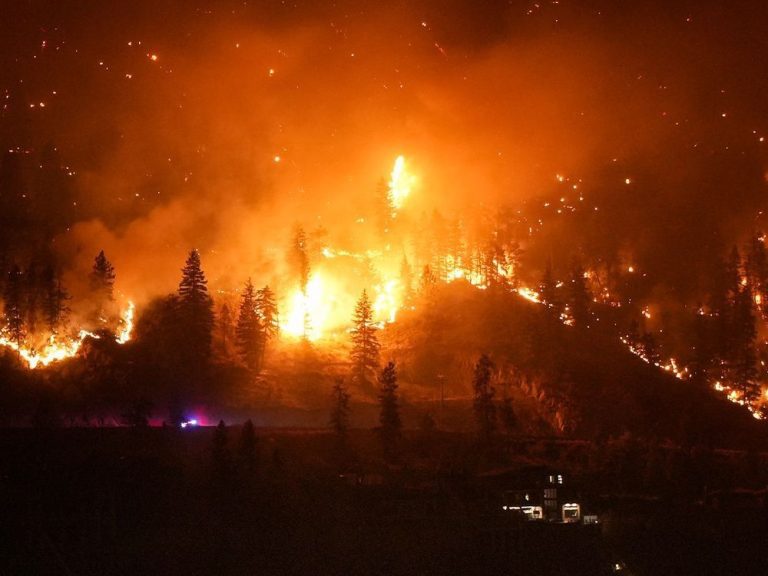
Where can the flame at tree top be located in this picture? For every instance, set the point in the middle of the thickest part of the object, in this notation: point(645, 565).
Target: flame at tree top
point(400, 184)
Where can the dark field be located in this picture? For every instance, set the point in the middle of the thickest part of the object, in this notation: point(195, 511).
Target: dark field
point(164, 501)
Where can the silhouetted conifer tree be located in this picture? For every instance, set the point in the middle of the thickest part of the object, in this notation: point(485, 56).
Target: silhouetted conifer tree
point(269, 318)
point(743, 362)
point(247, 450)
point(483, 392)
point(579, 299)
point(195, 312)
point(389, 415)
point(340, 410)
point(365, 344)
point(14, 317)
point(55, 297)
point(248, 330)
point(220, 451)
point(102, 281)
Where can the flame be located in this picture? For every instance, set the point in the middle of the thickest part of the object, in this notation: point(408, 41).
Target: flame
point(126, 324)
point(529, 294)
point(400, 184)
point(387, 302)
point(309, 313)
point(54, 350)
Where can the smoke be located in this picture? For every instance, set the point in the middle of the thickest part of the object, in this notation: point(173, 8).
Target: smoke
point(252, 119)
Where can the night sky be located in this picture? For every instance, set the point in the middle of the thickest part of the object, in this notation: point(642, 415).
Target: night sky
point(195, 123)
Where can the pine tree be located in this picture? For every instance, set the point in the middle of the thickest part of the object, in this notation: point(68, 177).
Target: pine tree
point(195, 311)
point(579, 297)
point(220, 452)
point(484, 408)
point(248, 330)
point(756, 268)
point(102, 277)
point(548, 290)
point(340, 410)
point(269, 319)
point(55, 297)
point(389, 415)
point(14, 317)
point(743, 363)
point(365, 344)
point(225, 326)
point(102, 281)
point(300, 257)
point(247, 449)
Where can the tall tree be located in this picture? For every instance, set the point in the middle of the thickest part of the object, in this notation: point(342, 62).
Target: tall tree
point(365, 344)
point(247, 449)
point(340, 410)
point(483, 392)
point(102, 282)
point(548, 290)
point(195, 312)
point(300, 256)
point(14, 317)
point(225, 326)
point(55, 297)
point(743, 363)
point(269, 318)
point(389, 415)
point(248, 329)
point(579, 299)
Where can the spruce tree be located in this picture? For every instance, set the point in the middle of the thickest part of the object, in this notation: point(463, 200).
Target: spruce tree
point(102, 281)
point(365, 344)
point(55, 297)
point(579, 298)
point(14, 317)
point(269, 319)
point(483, 392)
point(102, 277)
point(248, 329)
point(247, 449)
point(195, 311)
point(743, 363)
point(339, 419)
point(389, 415)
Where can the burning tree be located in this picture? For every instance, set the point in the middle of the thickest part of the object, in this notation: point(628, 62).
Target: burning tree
point(578, 296)
point(269, 320)
point(365, 344)
point(248, 330)
point(55, 309)
point(102, 281)
point(14, 319)
point(389, 416)
point(743, 364)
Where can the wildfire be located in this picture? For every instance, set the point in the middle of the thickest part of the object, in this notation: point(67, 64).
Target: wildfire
point(386, 304)
point(126, 324)
point(54, 350)
point(308, 312)
point(400, 184)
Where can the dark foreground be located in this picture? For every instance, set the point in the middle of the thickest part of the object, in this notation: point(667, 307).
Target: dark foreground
point(163, 501)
